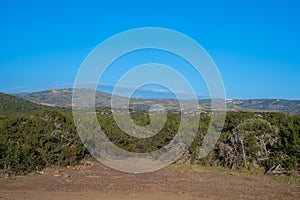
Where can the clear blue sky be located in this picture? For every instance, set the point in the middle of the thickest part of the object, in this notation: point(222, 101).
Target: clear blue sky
point(255, 44)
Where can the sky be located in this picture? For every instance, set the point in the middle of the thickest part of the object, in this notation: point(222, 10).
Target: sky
point(255, 44)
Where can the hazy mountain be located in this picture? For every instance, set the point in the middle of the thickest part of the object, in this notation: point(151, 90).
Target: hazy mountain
point(60, 97)
point(149, 92)
point(63, 98)
point(278, 105)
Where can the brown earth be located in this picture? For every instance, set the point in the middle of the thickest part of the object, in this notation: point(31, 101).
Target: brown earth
point(174, 182)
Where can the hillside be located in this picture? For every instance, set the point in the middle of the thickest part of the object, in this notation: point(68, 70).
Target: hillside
point(63, 98)
point(277, 105)
point(11, 105)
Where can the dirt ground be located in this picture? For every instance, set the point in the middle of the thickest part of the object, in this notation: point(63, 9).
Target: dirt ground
point(96, 181)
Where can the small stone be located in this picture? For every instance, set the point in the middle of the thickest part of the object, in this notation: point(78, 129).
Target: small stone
point(67, 176)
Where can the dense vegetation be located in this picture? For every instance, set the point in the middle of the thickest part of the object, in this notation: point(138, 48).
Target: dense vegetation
point(256, 141)
point(10, 105)
point(34, 142)
point(48, 138)
point(13, 106)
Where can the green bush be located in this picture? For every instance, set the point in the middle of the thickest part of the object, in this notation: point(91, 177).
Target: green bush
point(32, 143)
point(48, 139)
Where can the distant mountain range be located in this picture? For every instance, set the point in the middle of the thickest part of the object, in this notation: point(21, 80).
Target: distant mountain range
point(63, 98)
point(60, 97)
point(277, 105)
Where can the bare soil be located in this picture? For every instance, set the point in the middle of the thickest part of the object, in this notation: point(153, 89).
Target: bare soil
point(96, 181)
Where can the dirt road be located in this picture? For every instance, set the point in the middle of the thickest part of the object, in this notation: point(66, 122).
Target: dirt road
point(175, 182)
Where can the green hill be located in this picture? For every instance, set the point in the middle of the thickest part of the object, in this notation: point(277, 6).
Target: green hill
point(11, 105)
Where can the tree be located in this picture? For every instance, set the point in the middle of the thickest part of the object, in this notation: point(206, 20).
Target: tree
point(250, 144)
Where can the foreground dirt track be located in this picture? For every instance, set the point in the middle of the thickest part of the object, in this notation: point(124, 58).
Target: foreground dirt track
point(174, 182)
